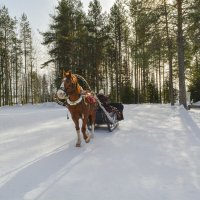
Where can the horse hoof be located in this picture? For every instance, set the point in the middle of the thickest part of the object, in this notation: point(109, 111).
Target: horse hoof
point(78, 145)
point(87, 139)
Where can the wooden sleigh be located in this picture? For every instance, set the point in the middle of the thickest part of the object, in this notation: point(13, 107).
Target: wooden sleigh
point(111, 121)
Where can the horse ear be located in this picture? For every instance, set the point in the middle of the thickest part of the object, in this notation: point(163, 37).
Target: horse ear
point(68, 74)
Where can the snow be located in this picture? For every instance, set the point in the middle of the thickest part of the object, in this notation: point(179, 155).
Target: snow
point(154, 154)
point(197, 103)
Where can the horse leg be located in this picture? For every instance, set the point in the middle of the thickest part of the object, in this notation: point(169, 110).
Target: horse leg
point(78, 143)
point(92, 131)
point(83, 129)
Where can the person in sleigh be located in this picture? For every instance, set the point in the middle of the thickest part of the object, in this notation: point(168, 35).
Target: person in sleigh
point(111, 107)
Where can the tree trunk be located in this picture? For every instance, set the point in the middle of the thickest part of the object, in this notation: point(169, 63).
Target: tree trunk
point(182, 90)
point(169, 46)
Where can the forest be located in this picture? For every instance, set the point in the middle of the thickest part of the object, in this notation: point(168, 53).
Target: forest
point(142, 51)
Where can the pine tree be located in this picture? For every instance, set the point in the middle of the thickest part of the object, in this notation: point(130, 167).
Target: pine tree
point(169, 53)
point(7, 34)
point(45, 91)
point(118, 29)
point(63, 37)
point(26, 45)
point(95, 27)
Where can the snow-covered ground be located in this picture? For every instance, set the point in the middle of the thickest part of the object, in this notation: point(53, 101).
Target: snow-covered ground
point(154, 154)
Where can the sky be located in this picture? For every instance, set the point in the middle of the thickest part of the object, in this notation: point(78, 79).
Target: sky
point(38, 12)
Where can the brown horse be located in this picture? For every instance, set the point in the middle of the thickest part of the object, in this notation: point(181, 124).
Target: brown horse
point(81, 105)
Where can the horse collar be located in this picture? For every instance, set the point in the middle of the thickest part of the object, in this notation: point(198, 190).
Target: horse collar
point(74, 103)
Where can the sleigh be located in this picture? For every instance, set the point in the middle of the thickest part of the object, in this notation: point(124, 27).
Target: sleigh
point(110, 119)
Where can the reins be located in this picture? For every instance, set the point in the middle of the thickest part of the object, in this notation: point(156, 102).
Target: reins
point(80, 77)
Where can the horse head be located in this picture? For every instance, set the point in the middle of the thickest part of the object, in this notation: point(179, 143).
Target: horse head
point(70, 83)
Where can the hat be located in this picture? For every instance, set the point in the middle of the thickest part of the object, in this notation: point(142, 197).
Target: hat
point(101, 91)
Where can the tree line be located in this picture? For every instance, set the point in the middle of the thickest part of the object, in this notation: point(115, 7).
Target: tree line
point(141, 51)
point(20, 83)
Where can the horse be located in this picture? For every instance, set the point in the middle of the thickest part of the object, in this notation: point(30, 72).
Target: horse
point(81, 105)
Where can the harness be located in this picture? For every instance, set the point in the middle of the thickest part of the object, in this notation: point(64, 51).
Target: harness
point(74, 103)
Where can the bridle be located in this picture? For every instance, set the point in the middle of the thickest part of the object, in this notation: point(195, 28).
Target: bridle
point(62, 87)
point(64, 95)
